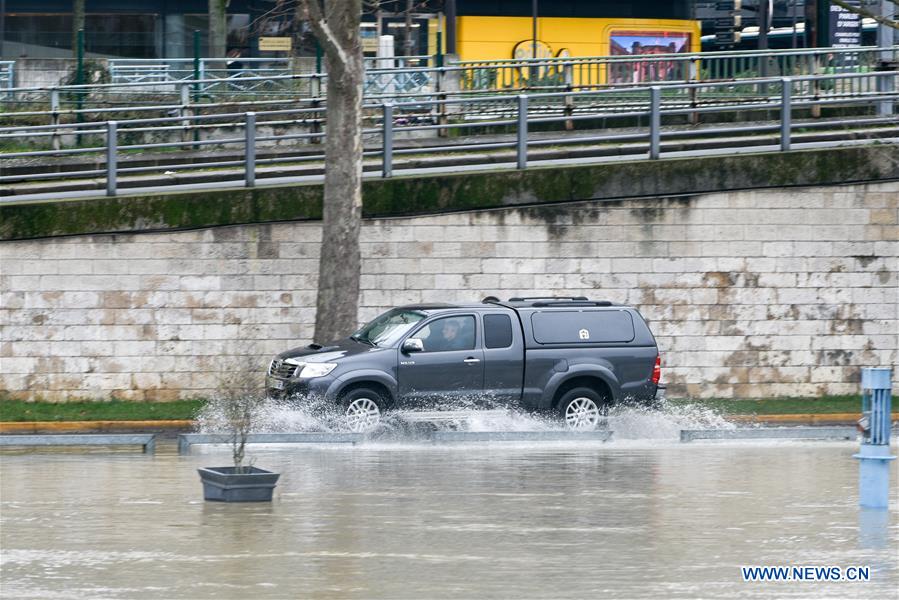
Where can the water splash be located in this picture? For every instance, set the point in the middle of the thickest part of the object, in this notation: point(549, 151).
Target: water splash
point(664, 421)
point(628, 422)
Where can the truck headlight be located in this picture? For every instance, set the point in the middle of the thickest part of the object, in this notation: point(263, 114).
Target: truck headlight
point(311, 370)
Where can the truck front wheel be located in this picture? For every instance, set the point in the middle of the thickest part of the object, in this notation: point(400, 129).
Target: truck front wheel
point(582, 409)
point(362, 409)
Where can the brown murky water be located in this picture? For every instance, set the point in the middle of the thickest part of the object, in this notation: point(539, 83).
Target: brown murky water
point(634, 519)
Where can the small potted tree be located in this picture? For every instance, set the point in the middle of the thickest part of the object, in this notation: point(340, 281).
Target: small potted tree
point(234, 411)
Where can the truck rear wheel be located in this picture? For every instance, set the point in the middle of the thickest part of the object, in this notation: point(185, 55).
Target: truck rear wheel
point(362, 409)
point(582, 409)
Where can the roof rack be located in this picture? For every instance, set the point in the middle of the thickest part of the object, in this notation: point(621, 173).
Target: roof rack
point(490, 300)
point(573, 303)
point(553, 298)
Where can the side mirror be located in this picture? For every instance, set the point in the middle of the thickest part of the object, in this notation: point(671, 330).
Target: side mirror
point(413, 345)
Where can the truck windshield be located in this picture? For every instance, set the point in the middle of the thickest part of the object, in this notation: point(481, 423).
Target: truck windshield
point(387, 329)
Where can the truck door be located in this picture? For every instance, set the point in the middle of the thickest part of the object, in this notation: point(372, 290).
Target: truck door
point(448, 369)
point(503, 357)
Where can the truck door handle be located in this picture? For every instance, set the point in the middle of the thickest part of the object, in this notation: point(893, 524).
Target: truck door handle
point(471, 361)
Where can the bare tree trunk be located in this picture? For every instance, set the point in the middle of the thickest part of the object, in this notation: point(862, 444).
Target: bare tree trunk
point(77, 23)
point(337, 29)
point(218, 27)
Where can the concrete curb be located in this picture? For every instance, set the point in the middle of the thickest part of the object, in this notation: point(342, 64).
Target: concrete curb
point(178, 426)
point(799, 419)
point(186, 426)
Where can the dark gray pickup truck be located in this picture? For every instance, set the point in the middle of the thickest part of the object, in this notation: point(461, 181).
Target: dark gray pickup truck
point(572, 355)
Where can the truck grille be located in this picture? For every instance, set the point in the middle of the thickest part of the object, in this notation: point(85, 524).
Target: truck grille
point(282, 369)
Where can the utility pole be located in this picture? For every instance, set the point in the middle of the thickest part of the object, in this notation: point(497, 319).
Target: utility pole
point(794, 15)
point(77, 23)
point(450, 17)
point(764, 13)
point(407, 39)
point(885, 33)
point(2, 25)
point(885, 39)
point(817, 23)
point(534, 28)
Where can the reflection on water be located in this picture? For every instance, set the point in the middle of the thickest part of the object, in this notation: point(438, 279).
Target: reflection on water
point(632, 518)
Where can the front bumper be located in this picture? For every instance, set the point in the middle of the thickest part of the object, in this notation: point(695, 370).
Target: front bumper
point(275, 387)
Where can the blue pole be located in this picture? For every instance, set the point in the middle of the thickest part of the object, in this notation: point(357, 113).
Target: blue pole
point(874, 455)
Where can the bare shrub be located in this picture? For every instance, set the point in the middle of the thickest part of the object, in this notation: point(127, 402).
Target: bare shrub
point(236, 409)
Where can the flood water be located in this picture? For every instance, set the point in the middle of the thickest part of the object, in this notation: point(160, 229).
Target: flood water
point(645, 518)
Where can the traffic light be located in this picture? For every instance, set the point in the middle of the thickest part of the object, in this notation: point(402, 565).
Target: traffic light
point(728, 22)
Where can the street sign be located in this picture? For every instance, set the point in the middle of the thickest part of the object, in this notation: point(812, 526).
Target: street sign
point(727, 37)
point(732, 22)
point(275, 44)
point(728, 22)
point(845, 26)
point(728, 6)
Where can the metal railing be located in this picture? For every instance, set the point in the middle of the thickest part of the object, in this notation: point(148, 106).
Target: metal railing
point(599, 71)
point(183, 120)
point(133, 70)
point(185, 99)
point(171, 70)
point(132, 81)
point(246, 75)
point(7, 74)
point(654, 124)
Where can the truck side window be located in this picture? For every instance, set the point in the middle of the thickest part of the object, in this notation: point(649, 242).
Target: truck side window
point(497, 331)
point(582, 326)
point(448, 333)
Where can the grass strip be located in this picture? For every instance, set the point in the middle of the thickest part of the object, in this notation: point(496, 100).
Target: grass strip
point(113, 410)
point(121, 410)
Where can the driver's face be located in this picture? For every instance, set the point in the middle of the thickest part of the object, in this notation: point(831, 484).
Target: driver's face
point(450, 330)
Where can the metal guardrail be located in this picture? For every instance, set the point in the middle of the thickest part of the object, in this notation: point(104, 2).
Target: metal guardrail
point(187, 440)
point(603, 435)
point(448, 416)
point(146, 441)
point(768, 433)
point(387, 122)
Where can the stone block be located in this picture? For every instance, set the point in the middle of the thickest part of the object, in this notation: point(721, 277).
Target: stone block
point(522, 281)
point(791, 264)
point(200, 283)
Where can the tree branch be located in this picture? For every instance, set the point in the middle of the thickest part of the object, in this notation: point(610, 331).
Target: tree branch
point(866, 13)
point(280, 9)
point(312, 12)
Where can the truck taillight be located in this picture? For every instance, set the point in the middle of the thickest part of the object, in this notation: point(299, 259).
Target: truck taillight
point(657, 370)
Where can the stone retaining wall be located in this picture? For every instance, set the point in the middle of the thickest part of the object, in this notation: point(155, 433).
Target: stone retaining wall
point(750, 294)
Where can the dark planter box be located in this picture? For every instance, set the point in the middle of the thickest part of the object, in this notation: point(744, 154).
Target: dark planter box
point(222, 484)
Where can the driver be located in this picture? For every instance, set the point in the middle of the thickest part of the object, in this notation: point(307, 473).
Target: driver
point(449, 338)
